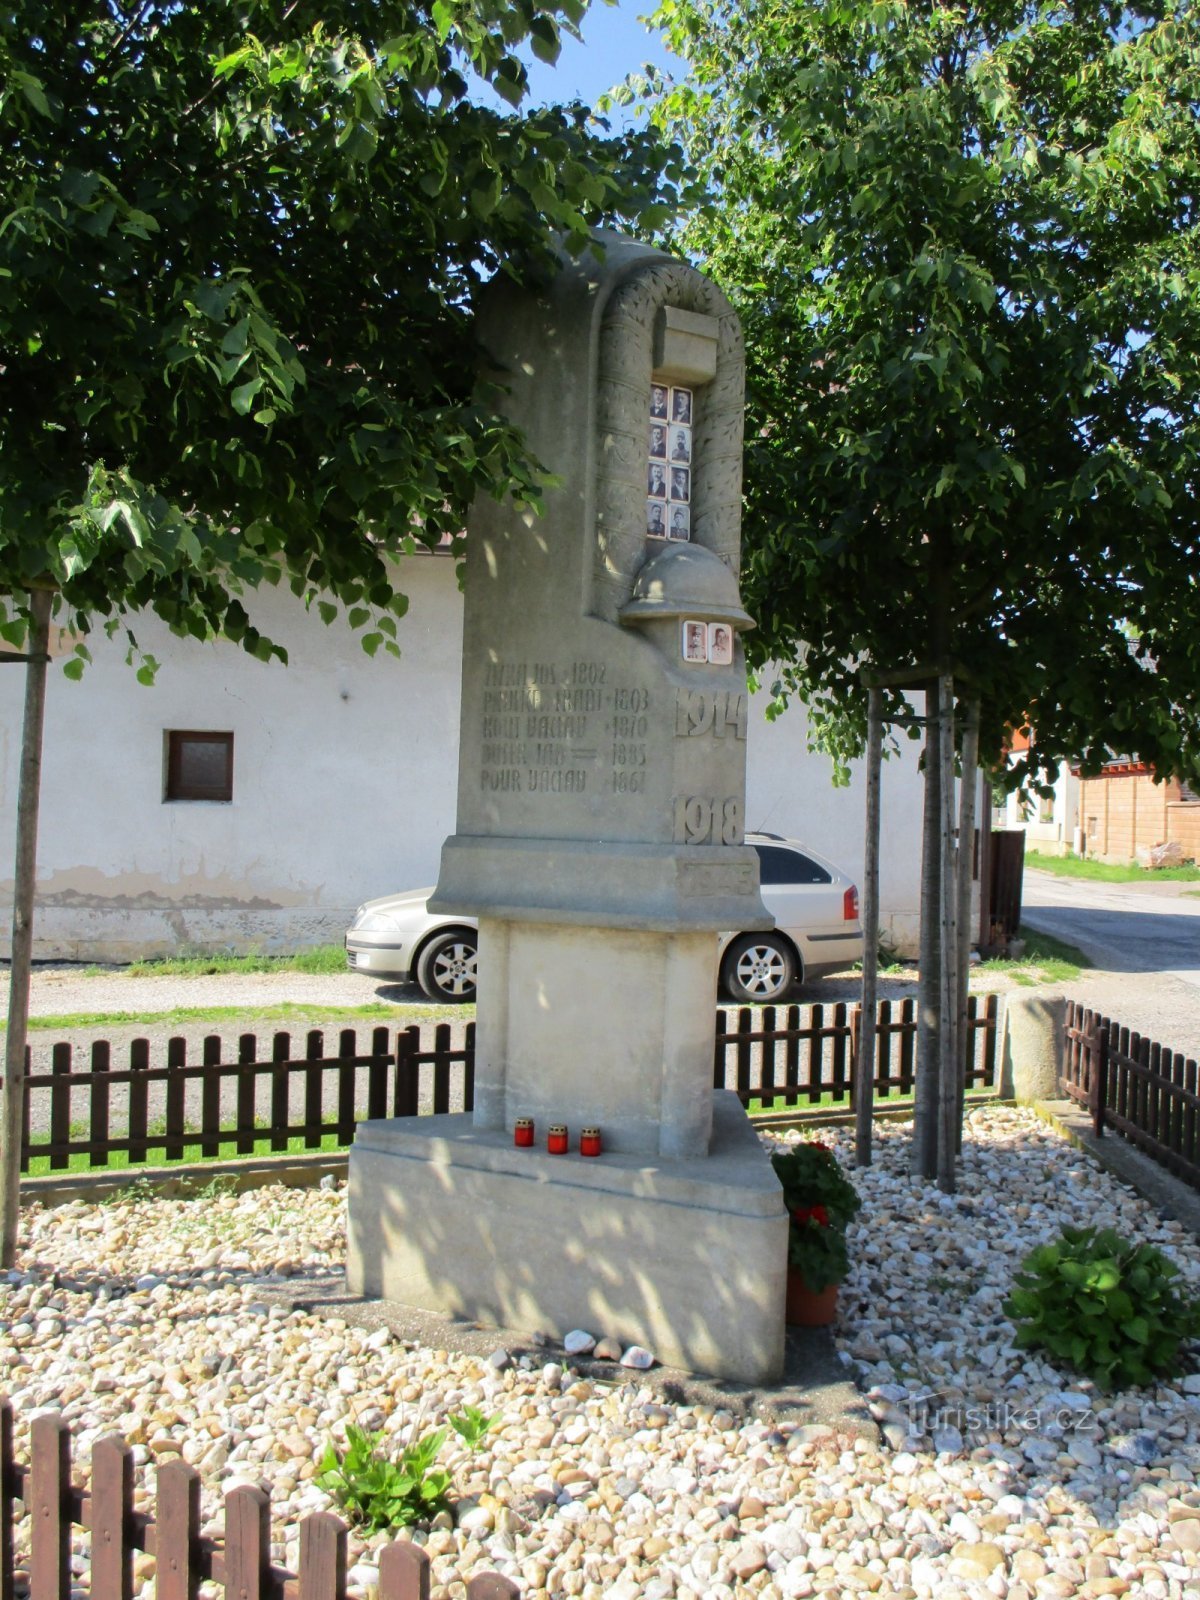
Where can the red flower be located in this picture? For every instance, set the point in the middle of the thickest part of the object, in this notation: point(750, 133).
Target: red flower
point(824, 1148)
point(814, 1213)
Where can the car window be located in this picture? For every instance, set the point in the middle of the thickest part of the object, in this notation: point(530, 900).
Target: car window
point(777, 864)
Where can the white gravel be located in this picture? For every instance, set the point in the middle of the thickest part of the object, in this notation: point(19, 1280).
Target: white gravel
point(149, 1317)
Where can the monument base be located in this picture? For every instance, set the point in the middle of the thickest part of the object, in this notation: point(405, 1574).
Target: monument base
point(686, 1257)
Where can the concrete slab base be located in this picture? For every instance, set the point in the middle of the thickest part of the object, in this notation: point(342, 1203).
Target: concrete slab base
point(687, 1257)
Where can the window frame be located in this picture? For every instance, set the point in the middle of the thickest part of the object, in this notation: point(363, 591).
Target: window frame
point(174, 786)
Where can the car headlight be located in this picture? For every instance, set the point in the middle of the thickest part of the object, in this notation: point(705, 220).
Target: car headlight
point(375, 922)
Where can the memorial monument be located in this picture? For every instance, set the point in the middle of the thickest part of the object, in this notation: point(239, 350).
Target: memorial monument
point(600, 843)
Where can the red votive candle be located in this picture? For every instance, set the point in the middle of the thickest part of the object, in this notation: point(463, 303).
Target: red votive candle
point(556, 1140)
point(589, 1142)
point(523, 1133)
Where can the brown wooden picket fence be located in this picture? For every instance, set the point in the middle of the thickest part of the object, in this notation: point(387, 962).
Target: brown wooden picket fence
point(1139, 1088)
point(287, 1094)
point(239, 1559)
point(792, 1056)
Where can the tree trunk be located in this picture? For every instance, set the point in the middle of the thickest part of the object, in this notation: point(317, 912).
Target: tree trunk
point(966, 842)
point(924, 1149)
point(12, 1101)
point(864, 1083)
point(949, 1059)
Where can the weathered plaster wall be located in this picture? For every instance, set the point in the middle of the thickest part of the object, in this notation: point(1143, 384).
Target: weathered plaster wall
point(344, 787)
point(343, 783)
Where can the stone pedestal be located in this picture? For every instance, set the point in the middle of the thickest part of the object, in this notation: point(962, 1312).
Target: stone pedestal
point(687, 1257)
point(600, 844)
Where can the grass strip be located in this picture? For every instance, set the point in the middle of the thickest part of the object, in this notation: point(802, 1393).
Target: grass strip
point(1109, 871)
point(319, 959)
point(1046, 960)
point(290, 1011)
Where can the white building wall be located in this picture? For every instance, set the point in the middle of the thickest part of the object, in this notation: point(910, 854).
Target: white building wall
point(343, 786)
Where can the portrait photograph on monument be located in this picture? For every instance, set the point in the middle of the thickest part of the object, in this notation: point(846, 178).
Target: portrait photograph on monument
point(681, 518)
point(681, 484)
point(656, 525)
point(681, 405)
point(720, 644)
point(695, 641)
point(656, 481)
point(658, 400)
point(658, 440)
point(681, 444)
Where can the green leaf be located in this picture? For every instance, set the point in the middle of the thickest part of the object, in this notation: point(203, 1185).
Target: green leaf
point(243, 396)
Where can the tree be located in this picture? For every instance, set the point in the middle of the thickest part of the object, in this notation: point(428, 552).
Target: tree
point(963, 242)
point(239, 244)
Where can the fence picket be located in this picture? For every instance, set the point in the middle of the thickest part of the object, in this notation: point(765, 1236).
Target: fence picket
point(247, 1543)
point(839, 1081)
point(49, 1508)
point(247, 1085)
point(816, 1053)
point(908, 1045)
point(347, 1050)
point(403, 1573)
point(177, 1532)
point(139, 1091)
point(491, 1586)
point(441, 1069)
point(469, 1069)
point(60, 1105)
point(281, 1054)
point(176, 1098)
point(99, 1101)
point(210, 1096)
point(112, 1506)
point(8, 1495)
point(791, 1044)
point(743, 1048)
point(322, 1558)
point(377, 1075)
point(314, 1050)
point(407, 1101)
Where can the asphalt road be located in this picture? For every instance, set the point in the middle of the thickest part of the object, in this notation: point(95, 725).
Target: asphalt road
point(1144, 940)
point(1121, 927)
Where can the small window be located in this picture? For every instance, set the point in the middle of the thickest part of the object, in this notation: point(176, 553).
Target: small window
point(779, 865)
point(199, 766)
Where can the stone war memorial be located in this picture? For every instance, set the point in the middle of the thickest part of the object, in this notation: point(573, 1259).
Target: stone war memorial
point(600, 843)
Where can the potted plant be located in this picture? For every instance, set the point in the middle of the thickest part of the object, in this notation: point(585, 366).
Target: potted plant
point(821, 1203)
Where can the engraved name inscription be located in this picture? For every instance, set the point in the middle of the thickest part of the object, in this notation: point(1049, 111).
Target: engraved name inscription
point(554, 727)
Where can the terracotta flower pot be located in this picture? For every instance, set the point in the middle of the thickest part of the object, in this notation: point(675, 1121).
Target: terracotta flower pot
point(808, 1308)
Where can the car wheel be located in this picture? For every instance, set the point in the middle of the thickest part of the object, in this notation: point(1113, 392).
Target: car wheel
point(758, 968)
point(447, 968)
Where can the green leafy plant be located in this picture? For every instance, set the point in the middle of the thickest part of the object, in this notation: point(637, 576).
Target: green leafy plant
point(1112, 1309)
point(471, 1426)
point(821, 1202)
point(379, 1493)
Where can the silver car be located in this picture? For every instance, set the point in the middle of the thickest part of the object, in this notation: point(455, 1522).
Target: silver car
point(815, 907)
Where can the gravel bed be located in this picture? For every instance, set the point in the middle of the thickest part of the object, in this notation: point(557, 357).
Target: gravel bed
point(999, 1476)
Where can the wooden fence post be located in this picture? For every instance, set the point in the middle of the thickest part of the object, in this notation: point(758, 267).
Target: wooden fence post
point(403, 1573)
point(7, 1496)
point(247, 1543)
point(49, 1508)
point(322, 1557)
point(1097, 1050)
point(177, 1531)
point(112, 1506)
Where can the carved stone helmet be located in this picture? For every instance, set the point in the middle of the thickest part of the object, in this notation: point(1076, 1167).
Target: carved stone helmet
point(685, 580)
